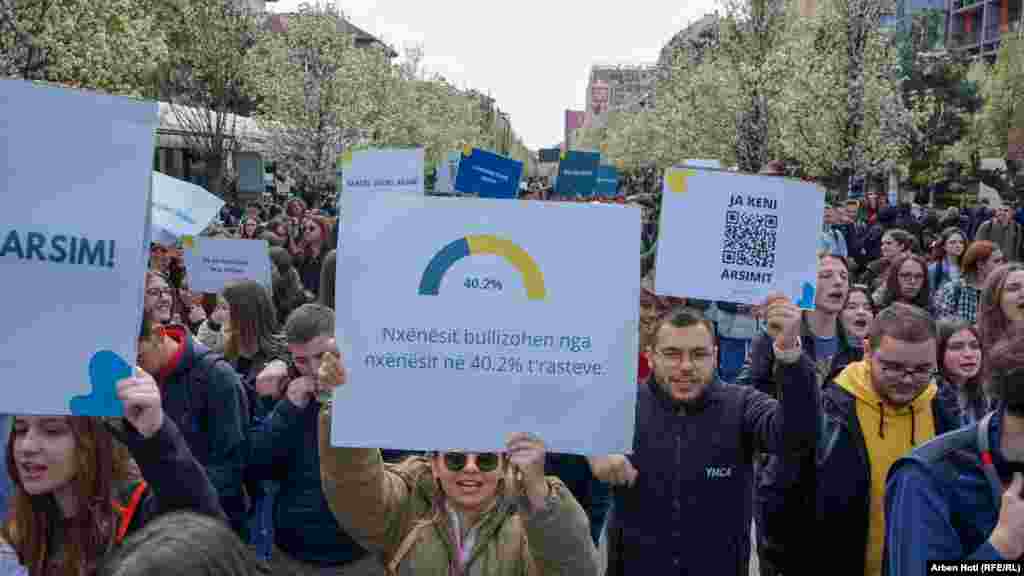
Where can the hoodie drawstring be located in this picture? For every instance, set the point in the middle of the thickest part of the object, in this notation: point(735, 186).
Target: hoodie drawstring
point(912, 422)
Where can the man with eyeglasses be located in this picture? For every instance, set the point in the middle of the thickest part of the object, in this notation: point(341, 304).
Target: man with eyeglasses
point(683, 498)
point(875, 411)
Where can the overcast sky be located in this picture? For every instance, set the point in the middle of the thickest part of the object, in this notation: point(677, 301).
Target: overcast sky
point(533, 56)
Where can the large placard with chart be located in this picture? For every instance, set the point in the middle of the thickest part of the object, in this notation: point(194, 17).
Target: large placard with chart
point(738, 237)
point(468, 319)
point(76, 171)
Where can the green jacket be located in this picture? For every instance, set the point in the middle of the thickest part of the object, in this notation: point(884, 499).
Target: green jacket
point(380, 504)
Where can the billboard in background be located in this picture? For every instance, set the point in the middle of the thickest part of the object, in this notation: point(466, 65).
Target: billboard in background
point(550, 154)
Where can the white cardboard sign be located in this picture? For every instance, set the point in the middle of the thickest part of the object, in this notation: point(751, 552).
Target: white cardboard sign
point(738, 237)
point(383, 170)
point(483, 320)
point(74, 182)
point(213, 263)
point(180, 208)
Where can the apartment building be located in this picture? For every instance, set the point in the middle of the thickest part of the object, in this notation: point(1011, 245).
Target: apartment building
point(975, 26)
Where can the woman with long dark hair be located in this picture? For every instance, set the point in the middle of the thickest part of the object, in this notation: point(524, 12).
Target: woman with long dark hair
point(906, 281)
point(959, 357)
point(946, 258)
point(313, 247)
point(78, 491)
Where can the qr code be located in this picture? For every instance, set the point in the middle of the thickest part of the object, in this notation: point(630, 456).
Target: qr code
point(749, 239)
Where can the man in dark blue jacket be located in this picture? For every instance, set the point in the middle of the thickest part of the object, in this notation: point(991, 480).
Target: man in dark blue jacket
point(284, 448)
point(202, 395)
point(958, 497)
point(683, 498)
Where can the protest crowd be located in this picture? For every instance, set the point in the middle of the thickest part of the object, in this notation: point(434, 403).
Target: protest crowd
point(887, 423)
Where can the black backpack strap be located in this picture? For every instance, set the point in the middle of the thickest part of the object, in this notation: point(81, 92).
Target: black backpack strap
point(984, 446)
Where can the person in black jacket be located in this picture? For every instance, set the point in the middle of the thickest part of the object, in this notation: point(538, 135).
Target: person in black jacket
point(202, 394)
point(825, 343)
point(78, 492)
point(683, 498)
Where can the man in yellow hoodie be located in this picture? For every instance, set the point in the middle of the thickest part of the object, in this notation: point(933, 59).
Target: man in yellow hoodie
point(875, 411)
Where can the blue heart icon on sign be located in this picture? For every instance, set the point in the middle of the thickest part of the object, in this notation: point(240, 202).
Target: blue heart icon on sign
point(105, 370)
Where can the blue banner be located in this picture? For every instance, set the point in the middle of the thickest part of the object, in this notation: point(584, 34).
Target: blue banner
point(607, 181)
point(488, 175)
point(577, 174)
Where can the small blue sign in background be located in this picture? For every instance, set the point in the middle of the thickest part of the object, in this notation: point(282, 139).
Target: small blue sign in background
point(607, 181)
point(488, 175)
point(577, 174)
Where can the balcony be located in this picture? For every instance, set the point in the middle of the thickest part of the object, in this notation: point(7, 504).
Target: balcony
point(959, 5)
point(961, 40)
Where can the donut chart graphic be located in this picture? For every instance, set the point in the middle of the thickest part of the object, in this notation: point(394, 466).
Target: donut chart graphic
point(533, 278)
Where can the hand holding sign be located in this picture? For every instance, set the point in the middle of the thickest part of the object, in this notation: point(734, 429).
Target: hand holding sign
point(526, 453)
point(783, 319)
point(332, 371)
point(616, 470)
point(142, 406)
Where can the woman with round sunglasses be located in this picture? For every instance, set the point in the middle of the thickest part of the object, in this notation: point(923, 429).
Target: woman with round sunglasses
point(479, 514)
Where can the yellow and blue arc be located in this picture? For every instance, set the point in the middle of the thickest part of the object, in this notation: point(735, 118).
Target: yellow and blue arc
point(533, 278)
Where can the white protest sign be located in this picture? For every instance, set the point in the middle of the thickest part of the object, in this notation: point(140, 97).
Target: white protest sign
point(383, 170)
point(180, 208)
point(74, 181)
point(738, 237)
point(694, 163)
point(212, 263)
point(444, 183)
point(483, 320)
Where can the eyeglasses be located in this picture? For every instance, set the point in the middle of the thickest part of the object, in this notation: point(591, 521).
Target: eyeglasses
point(158, 292)
point(485, 462)
point(898, 372)
point(674, 357)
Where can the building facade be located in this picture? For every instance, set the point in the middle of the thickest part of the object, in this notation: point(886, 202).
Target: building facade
point(613, 87)
point(975, 26)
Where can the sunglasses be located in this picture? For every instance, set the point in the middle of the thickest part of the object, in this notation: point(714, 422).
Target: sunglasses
point(485, 462)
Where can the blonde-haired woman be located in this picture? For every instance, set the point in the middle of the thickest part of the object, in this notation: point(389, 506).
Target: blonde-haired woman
point(464, 514)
